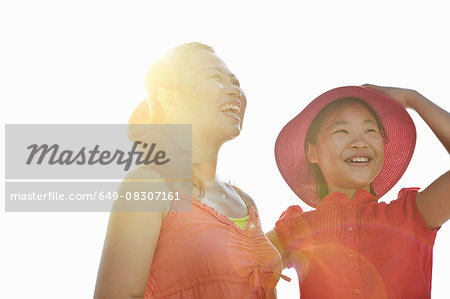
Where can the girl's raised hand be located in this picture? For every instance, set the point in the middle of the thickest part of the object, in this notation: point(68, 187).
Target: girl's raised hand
point(434, 201)
point(406, 97)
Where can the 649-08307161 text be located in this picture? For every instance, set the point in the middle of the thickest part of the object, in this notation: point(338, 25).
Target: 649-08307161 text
point(101, 196)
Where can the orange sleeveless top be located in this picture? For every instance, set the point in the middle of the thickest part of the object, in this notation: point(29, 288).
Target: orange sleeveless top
point(203, 254)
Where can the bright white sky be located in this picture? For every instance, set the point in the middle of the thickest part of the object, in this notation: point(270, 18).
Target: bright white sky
point(85, 62)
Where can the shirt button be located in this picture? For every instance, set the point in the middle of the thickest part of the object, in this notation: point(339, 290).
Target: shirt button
point(350, 229)
point(357, 291)
point(351, 256)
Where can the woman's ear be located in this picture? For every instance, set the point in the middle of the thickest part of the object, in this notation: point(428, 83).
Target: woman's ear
point(311, 153)
point(166, 98)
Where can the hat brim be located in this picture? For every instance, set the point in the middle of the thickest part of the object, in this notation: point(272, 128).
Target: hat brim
point(398, 150)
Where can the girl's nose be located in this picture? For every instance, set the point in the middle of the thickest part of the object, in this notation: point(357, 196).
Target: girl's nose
point(358, 142)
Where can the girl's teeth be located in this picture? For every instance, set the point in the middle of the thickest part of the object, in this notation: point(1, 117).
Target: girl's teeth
point(360, 159)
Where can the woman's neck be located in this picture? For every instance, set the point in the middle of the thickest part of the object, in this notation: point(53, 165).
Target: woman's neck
point(205, 172)
point(204, 162)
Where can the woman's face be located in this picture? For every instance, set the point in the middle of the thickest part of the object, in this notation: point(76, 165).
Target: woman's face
point(349, 149)
point(212, 98)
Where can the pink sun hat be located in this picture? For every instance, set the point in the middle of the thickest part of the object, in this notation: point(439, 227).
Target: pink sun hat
point(398, 149)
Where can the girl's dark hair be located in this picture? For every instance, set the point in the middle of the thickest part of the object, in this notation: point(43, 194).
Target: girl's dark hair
point(314, 171)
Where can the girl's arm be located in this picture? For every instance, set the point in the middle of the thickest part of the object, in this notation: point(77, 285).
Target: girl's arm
point(128, 250)
point(433, 202)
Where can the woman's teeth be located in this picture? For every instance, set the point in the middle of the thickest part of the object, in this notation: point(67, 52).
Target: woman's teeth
point(233, 107)
point(230, 109)
point(231, 113)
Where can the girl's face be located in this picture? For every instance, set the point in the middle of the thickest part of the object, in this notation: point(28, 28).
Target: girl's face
point(212, 98)
point(349, 149)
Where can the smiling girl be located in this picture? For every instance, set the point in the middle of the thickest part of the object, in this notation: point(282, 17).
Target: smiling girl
point(342, 153)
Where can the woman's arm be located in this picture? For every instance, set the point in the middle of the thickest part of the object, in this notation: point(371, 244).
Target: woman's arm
point(295, 257)
point(433, 202)
point(273, 238)
point(128, 250)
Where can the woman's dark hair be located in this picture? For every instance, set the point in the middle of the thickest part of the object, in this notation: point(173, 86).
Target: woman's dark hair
point(314, 129)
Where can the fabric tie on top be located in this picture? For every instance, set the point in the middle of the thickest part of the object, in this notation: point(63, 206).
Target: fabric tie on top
point(257, 277)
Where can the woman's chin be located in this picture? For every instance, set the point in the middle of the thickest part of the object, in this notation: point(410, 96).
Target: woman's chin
point(231, 131)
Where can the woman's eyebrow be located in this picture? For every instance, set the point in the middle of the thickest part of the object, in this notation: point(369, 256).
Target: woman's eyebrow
point(217, 69)
point(213, 68)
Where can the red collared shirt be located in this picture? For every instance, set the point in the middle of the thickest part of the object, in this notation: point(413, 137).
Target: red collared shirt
point(359, 248)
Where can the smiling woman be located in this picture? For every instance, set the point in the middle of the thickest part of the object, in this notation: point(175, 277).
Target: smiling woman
point(217, 250)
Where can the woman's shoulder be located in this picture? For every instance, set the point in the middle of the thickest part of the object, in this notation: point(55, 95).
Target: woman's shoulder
point(247, 198)
point(139, 189)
